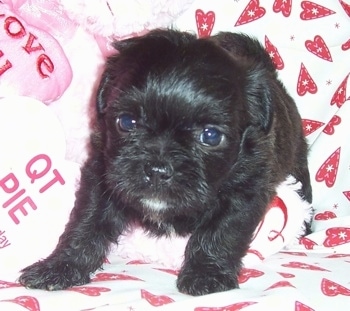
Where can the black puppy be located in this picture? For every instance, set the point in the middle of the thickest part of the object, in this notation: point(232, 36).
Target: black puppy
point(192, 136)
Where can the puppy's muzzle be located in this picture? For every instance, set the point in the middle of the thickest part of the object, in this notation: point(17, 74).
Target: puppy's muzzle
point(158, 173)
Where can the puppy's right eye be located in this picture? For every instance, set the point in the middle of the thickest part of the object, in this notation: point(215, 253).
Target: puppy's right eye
point(211, 136)
point(126, 122)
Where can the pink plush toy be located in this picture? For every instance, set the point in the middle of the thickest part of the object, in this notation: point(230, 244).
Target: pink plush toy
point(106, 20)
point(32, 62)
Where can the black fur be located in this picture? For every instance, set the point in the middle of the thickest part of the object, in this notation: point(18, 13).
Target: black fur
point(192, 136)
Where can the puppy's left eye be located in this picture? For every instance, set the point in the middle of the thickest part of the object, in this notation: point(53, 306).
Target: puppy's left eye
point(126, 122)
point(211, 136)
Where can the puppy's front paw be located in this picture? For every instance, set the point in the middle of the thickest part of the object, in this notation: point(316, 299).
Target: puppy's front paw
point(52, 275)
point(198, 281)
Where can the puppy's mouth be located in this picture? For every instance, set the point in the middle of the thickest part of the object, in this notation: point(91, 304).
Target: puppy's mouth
point(159, 187)
point(158, 178)
point(154, 204)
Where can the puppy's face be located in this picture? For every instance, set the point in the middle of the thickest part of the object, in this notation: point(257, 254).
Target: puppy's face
point(173, 120)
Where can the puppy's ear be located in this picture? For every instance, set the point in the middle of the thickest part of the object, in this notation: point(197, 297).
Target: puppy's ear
point(102, 94)
point(260, 74)
point(259, 98)
point(244, 48)
point(118, 69)
point(110, 83)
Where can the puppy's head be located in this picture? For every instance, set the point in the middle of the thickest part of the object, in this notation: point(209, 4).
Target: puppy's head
point(172, 110)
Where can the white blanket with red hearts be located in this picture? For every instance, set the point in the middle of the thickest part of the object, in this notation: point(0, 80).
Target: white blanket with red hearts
point(47, 78)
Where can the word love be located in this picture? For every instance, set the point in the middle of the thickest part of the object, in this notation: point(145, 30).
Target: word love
point(38, 170)
point(15, 30)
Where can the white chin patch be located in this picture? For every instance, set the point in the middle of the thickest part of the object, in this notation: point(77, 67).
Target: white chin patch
point(154, 204)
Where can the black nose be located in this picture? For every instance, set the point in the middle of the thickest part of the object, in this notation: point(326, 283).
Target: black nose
point(158, 172)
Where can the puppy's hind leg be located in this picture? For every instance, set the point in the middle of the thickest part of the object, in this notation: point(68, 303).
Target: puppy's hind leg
point(83, 246)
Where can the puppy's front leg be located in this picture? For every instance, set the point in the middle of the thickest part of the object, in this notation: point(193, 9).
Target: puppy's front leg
point(83, 246)
point(213, 257)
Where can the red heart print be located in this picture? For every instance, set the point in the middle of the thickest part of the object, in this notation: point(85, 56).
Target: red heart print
point(274, 54)
point(346, 45)
point(339, 97)
point(347, 194)
point(114, 277)
point(246, 274)
point(284, 6)
point(256, 253)
point(308, 244)
point(330, 288)
point(294, 253)
point(235, 307)
point(319, 48)
point(345, 6)
point(155, 300)
point(329, 169)
point(305, 82)
point(4, 284)
point(90, 290)
point(252, 12)
point(313, 10)
point(205, 23)
point(325, 215)
point(303, 265)
point(337, 236)
point(338, 256)
point(28, 302)
point(301, 307)
point(310, 126)
point(329, 129)
point(137, 262)
point(170, 271)
point(280, 284)
point(287, 275)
